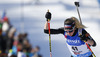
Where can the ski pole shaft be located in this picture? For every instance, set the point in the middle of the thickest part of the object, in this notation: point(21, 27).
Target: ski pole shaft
point(49, 36)
point(77, 5)
point(79, 15)
point(90, 49)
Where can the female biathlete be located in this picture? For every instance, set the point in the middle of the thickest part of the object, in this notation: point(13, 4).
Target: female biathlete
point(76, 37)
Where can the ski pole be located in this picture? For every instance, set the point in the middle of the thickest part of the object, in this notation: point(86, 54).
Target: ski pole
point(48, 21)
point(77, 5)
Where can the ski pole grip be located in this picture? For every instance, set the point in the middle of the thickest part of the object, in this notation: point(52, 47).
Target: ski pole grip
point(48, 15)
point(77, 4)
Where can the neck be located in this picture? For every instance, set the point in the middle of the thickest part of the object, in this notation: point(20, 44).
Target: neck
point(75, 32)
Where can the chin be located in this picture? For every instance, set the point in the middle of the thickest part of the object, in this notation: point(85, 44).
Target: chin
point(70, 35)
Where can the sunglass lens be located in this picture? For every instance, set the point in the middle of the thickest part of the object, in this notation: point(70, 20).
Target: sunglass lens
point(69, 31)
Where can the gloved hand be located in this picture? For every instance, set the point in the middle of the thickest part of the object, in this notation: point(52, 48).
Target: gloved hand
point(48, 16)
point(77, 4)
point(83, 37)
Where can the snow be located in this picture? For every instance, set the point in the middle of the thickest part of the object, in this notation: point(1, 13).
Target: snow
point(34, 20)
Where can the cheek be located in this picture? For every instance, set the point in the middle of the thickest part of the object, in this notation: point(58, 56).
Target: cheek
point(70, 34)
point(67, 33)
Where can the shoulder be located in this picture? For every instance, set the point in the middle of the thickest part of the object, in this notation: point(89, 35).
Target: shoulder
point(84, 31)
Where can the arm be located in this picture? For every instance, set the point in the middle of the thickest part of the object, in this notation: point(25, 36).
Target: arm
point(53, 31)
point(46, 26)
point(88, 38)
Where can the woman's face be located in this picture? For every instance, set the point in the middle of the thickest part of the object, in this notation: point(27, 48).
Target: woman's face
point(70, 32)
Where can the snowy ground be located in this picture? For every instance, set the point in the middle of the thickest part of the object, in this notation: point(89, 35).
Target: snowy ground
point(34, 20)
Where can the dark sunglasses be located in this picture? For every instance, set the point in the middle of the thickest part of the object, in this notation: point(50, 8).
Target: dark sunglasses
point(69, 31)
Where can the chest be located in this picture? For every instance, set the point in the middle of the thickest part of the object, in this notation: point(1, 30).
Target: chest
point(74, 40)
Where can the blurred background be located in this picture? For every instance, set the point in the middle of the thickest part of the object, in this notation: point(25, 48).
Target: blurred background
point(22, 26)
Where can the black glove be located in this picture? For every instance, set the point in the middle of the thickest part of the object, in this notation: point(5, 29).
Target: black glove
point(77, 4)
point(83, 37)
point(48, 16)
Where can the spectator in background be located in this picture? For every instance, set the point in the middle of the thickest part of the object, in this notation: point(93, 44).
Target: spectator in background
point(20, 50)
point(11, 46)
point(35, 52)
point(13, 51)
point(21, 37)
point(26, 47)
point(10, 39)
point(1, 38)
point(6, 25)
point(2, 41)
point(25, 35)
point(8, 33)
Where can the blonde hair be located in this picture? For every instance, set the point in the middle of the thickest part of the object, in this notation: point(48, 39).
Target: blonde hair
point(77, 23)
